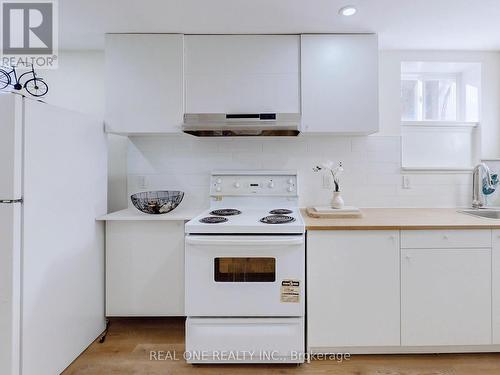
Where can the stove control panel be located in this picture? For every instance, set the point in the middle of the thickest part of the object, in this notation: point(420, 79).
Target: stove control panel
point(259, 184)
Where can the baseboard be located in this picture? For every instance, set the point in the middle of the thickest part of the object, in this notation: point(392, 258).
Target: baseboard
point(405, 349)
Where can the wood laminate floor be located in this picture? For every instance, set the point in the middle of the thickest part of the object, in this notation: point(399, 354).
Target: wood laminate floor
point(126, 351)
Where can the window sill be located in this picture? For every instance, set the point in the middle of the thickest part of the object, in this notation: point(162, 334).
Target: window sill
point(443, 124)
point(431, 170)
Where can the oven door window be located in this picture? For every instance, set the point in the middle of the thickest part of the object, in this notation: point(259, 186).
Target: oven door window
point(245, 270)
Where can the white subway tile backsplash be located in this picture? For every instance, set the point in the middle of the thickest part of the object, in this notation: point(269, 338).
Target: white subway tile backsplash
point(441, 179)
point(337, 146)
point(246, 160)
point(372, 177)
point(376, 144)
point(285, 145)
point(241, 145)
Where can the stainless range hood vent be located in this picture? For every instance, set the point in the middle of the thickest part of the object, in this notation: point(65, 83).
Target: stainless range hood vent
point(242, 124)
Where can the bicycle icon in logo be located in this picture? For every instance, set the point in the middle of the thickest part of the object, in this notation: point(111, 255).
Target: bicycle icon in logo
point(29, 80)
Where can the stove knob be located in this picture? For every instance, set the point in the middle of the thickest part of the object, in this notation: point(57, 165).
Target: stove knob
point(236, 185)
point(218, 188)
point(219, 180)
point(270, 184)
point(290, 189)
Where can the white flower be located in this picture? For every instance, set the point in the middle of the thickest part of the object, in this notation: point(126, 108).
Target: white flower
point(329, 166)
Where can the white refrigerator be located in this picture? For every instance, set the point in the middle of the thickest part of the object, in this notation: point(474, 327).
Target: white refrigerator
point(53, 177)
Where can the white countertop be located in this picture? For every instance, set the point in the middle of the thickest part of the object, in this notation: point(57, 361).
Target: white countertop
point(131, 214)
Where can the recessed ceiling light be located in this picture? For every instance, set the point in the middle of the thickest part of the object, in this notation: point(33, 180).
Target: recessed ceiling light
point(348, 10)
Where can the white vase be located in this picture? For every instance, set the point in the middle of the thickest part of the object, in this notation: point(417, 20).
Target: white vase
point(337, 201)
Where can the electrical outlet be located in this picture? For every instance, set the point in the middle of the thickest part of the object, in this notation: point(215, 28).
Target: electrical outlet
point(406, 182)
point(327, 182)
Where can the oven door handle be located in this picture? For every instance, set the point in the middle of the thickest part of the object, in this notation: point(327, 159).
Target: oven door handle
point(286, 241)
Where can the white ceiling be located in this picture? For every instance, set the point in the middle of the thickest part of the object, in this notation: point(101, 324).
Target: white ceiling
point(401, 24)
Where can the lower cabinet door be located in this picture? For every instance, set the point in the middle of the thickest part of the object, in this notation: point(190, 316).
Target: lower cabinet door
point(353, 289)
point(495, 292)
point(446, 297)
point(145, 268)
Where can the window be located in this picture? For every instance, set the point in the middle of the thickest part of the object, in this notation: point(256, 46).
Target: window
point(245, 270)
point(429, 97)
point(440, 113)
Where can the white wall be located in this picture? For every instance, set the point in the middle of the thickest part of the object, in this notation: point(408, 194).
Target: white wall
point(117, 173)
point(78, 84)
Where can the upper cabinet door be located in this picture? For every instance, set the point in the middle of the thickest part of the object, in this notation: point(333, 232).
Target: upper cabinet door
point(242, 73)
point(339, 83)
point(144, 83)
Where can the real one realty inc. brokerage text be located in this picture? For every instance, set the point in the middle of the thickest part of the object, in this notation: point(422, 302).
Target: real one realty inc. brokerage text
point(244, 355)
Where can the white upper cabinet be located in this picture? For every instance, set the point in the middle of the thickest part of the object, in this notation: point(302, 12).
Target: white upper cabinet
point(242, 73)
point(144, 83)
point(153, 79)
point(339, 83)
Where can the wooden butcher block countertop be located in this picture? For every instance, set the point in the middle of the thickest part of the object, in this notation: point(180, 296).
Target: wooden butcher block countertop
point(403, 218)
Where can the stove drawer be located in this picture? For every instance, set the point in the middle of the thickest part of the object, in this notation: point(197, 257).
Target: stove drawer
point(259, 276)
point(245, 340)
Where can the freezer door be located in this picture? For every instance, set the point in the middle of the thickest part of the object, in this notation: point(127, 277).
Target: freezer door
point(11, 130)
point(10, 269)
point(65, 178)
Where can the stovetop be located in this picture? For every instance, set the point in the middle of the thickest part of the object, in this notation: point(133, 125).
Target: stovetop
point(275, 220)
point(257, 202)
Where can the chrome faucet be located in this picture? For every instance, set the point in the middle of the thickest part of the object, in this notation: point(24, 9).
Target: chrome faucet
point(479, 187)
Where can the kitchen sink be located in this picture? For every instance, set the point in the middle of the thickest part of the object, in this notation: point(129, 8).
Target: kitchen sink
point(489, 214)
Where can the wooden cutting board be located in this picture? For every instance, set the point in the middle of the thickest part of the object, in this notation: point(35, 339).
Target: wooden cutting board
point(332, 213)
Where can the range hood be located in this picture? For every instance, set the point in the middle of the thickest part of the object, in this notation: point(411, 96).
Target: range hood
point(241, 125)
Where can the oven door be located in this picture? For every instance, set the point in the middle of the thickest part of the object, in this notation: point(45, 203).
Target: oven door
point(245, 275)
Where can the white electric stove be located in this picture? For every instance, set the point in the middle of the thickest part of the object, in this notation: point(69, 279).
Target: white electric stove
point(245, 271)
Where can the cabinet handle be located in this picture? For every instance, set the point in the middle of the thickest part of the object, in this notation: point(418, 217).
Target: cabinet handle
point(393, 237)
point(445, 237)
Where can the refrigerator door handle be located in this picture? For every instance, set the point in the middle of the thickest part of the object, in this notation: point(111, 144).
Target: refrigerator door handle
point(11, 201)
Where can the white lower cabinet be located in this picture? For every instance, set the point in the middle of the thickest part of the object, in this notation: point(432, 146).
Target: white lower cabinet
point(145, 268)
point(445, 297)
point(408, 291)
point(495, 292)
point(353, 295)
